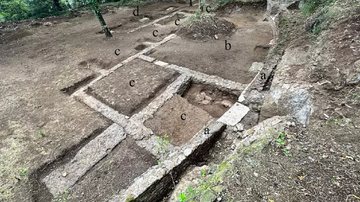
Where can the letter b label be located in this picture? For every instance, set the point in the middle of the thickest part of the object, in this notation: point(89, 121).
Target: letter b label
point(227, 45)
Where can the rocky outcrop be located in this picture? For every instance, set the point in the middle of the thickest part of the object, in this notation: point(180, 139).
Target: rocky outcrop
point(275, 6)
point(289, 94)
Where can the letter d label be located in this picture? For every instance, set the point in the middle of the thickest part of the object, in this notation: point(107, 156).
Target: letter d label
point(136, 11)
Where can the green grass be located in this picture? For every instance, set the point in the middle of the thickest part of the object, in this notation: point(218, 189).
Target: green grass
point(62, 197)
point(162, 146)
point(310, 6)
point(209, 185)
point(281, 143)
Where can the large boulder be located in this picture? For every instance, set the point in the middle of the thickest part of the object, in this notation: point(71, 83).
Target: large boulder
point(289, 92)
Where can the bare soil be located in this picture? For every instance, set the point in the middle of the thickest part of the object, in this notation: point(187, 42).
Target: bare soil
point(148, 79)
point(38, 122)
point(178, 120)
point(124, 164)
point(249, 43)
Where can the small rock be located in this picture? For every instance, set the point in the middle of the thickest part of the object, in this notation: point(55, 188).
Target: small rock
point(48, 24)
point(256, 66)
point(144, 20)
point(216, 36)
point(219, 199)
point(357, 64)
point(202, 98)
point(205, 102)
point(35, 24)
point(256, 174)
point(64, 174)
point(291, 124)
point(187, 152)
point(170, 9)
point(239, 127)
point(226, 103)
point(233, 147)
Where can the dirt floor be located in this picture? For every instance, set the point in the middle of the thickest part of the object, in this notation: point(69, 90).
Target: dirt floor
point(98, 185)
point(132, 86)
point(38, 121)
point(178, 121)
point(249, 43)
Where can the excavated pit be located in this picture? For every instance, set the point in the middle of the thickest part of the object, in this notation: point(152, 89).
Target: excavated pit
point(209, 98)
point(132, 86)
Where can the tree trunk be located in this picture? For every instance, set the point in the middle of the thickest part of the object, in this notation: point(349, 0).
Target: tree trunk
point(102, 22)
point(57, 6)
point(201, 5)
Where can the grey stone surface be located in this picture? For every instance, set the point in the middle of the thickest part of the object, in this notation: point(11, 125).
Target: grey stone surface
point(234, 114)
point(133, 128)
point(288, 96)
point(147, 58)
point(67, 175)
point(256, 67)
point(208, 79)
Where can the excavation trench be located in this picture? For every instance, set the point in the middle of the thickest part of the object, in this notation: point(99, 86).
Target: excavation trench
point(178, 93)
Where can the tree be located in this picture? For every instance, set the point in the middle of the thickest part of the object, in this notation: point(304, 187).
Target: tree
point(56, 5)
point(94, 4)
point(202, 5)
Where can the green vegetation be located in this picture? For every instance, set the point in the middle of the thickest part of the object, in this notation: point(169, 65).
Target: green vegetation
point(23, 172)
point(310, 6)
point(40, 133)
point(130, 198)
point(13, 10)
point(281, 143)
point(162, 145)
point(209, 185)
point(63, 197)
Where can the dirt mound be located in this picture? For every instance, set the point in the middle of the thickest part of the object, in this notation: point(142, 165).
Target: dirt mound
point(207, 27)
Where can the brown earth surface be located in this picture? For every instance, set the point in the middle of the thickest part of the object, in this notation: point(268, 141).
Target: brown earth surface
point(147, 81)
point(39, 123)
point(249, 43)
point(178, 120)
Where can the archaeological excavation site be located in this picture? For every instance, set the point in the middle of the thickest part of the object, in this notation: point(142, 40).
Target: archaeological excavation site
point(180, 100)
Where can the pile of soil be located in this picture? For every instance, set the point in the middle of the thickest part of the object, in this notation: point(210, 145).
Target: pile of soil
point(207, 27)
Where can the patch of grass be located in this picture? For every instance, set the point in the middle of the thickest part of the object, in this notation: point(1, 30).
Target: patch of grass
point(162, 145)
point(203, 172)
point(182, 197)
point(11, 167)
point(281, 143)
point(339, 121)
point(209, 185)
point(62, 197)
point(310, 6)
point(280, 140)
point(130, 198)
point(23, 172)
point(40, 133)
